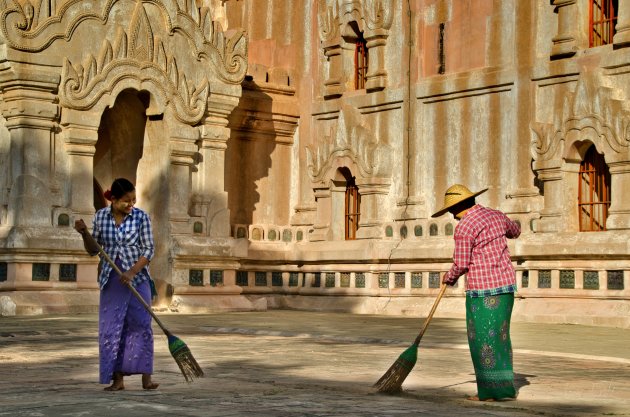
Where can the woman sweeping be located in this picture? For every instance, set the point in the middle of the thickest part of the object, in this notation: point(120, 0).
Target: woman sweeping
point(482, 253)
point(125, 334)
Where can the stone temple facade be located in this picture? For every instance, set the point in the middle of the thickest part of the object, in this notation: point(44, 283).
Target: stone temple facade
point(291, 152)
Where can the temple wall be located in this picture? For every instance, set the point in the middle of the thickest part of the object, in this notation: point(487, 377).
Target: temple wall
point(94, 90)
point(507, 84)
point(243, 173)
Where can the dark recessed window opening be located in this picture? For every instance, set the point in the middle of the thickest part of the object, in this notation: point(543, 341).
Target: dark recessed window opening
point(593, 192)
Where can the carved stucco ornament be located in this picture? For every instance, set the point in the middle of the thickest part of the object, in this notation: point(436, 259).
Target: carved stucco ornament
point(351, 139)
point(328, 22)
point(351, 11)
point(29, 15)
point(594, 112)
point(378, 14)
point(22, 30)
point(373, 14)
point(133, 60)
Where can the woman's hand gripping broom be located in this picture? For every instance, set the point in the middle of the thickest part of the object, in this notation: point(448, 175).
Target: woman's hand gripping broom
point(180, 352)
point(391, 382)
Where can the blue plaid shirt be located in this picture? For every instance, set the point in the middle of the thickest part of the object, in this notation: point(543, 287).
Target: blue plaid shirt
point(127, 243)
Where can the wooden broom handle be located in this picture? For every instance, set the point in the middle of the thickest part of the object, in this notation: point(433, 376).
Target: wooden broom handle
point(104, 254)
point(430, 316)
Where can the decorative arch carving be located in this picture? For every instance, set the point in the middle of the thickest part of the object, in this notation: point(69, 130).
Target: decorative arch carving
point(227, 55)
point(378, 14)
point(370, 15)
point(351, 139)
point(336, 21)
point(351, 12)
point(137, 60)
point(595, 112)
point(350, 144)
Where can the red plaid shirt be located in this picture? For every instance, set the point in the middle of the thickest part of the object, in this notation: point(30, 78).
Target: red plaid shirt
point(481, 250)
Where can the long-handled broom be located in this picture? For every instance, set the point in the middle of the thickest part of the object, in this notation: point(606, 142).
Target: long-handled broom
point(391, 382)
point(180, 352)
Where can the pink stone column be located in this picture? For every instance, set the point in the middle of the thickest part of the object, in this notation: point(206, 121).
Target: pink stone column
point(374, 192)
point(565, 41)
point(321, 226)
point(377, 75)
point(29, 107)
point(334, 84)
point(551, 215)
point(182, 154)
point(210, 198)
point(328, 21)
point(80, 130)
point(619, 212)
point(622, 35)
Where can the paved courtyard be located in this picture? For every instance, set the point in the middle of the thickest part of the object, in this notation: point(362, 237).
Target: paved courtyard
point(290, 363)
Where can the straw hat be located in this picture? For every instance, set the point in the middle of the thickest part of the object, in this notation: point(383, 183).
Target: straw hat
point(454, 195)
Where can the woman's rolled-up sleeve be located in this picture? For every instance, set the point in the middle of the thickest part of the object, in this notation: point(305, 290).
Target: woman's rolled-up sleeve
point(513, 229)
point(461, 258)
point(146, 238)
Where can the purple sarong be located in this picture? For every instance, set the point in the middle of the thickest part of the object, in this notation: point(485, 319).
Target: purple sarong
point(124, 330)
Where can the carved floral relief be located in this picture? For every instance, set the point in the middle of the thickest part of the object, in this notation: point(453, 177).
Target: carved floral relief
point(141, 57)
point(374, 14)
point(594, 111)
point(349, 138)
point(29, 26)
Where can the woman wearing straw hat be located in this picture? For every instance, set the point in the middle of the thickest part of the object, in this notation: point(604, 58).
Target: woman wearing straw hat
point(482, 254)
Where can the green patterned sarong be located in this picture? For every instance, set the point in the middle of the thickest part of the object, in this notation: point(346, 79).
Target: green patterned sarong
point(488, 324)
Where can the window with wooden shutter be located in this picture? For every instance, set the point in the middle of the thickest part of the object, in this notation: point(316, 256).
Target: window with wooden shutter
point(352, 209)
point(360, 63)
point(593, 192)
point(602, 21)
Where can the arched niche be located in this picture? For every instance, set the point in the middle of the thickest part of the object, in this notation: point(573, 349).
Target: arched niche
point(121, 133)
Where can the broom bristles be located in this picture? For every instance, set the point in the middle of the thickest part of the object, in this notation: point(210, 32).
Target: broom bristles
point(184, 358)
point(391, 382)
point(188, 365)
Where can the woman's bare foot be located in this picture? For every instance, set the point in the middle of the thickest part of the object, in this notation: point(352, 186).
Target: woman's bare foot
point(476, 398)
point(118, 384)
point(147, 383)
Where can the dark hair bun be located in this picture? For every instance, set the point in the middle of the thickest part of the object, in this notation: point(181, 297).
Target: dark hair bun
point(120, 187)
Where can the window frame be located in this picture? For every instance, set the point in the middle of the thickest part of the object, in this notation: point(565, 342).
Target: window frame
point(352, 210)
point(360, 63)
point(605, 19)
point(594, 181)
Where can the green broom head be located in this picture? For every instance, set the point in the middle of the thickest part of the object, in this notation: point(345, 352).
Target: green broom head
point(184, 358)
point(391, 382)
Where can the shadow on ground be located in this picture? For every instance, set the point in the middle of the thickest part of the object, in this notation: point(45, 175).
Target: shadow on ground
point(278, 375)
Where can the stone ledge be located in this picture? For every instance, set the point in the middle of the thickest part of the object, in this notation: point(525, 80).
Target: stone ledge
point(590, 312)
point(194, 303)
point(28, 303)
point(596, 312)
